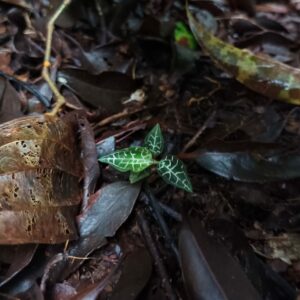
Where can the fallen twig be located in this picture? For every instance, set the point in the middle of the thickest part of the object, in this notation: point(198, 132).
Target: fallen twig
point(160, 220)
point(154, 252)
point(193, 140)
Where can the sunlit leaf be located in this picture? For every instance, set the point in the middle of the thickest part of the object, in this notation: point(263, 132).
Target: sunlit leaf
point(173, 171)
point(135, 177)
point(154, 140)
point(134, 159)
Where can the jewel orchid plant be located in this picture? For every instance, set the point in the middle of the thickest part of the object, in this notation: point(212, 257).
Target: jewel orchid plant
point(140, 160)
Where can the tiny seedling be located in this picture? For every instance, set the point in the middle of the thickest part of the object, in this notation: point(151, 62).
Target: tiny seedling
point(184, 37)
point(139, 161)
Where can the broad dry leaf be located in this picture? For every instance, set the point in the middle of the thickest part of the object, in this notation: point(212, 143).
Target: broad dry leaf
point(40, 170)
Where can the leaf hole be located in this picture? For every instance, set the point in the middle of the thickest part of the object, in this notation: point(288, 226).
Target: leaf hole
point(29, 228)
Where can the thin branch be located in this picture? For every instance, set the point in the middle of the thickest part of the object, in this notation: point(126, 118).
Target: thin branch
point(126, 113)
point(60, 100)
point(154, 252)
point(160, 220)
point(194, 139)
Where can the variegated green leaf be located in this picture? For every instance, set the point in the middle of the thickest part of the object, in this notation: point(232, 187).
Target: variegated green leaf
point(154, 140)
point(134, 159)
point(135, 177)
point(173, 171)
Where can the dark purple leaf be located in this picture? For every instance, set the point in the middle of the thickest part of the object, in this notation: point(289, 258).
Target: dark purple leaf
point(251, 166)
point(22, 257)
point(89, 160)
point(269, 283)
point(136, 272)
point(105, 91)
point(209, 271)
point(108, 209)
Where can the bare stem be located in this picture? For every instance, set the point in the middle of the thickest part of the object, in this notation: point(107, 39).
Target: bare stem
point(60, 100)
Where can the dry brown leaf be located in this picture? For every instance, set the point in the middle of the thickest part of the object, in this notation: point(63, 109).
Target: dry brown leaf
point(40, 169)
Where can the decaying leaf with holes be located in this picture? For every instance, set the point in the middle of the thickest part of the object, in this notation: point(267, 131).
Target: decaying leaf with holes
point(40, 170)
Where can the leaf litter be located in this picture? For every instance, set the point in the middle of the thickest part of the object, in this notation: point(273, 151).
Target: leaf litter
point(71, 228)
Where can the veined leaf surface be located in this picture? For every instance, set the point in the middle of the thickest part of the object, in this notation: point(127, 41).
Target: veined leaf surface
point(154, 140)
point(173, 171)
point(134, 159)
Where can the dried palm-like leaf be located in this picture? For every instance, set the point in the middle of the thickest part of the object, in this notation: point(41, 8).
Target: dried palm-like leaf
point(40, 170)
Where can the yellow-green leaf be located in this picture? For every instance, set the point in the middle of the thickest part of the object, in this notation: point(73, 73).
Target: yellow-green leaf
point(259, 73)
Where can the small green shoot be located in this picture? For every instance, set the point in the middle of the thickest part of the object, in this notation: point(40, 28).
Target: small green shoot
point(184, 37)
point(138, 161)
point(135, 177)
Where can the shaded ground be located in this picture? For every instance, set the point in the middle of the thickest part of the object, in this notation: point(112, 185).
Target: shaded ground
point(120, 63)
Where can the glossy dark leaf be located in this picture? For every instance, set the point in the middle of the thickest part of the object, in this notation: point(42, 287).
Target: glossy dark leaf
point(108, 209)
point(136, 272)
point(251, 166)
point(105, 91)
point(209, 271)
point(39, 180)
